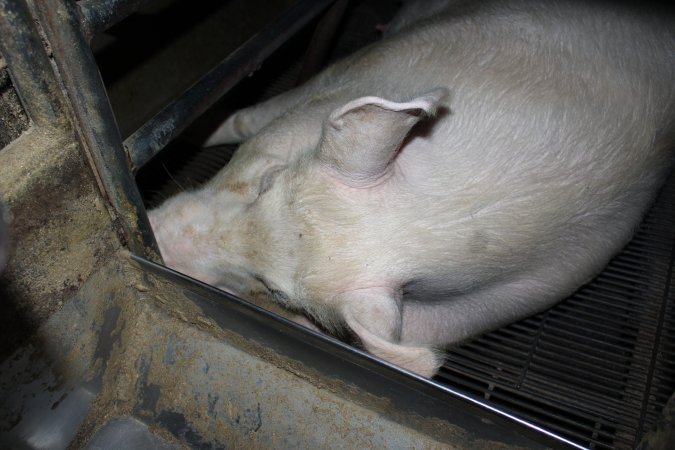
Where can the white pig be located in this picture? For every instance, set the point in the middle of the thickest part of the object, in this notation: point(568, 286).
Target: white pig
point(468, 170)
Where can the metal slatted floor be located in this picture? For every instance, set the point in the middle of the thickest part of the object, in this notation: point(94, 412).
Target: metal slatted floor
point(598, 367)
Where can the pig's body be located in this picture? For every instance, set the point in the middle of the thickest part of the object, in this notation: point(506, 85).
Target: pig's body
point(551, 129)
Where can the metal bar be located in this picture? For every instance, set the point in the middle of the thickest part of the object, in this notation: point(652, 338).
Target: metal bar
point(321, 40)
point(95, 123)
point(539, 391)
point(576, 345)
point(29, 65)
point(615, 406)
point(545, 409)
point(148, 140)
point(99, 15)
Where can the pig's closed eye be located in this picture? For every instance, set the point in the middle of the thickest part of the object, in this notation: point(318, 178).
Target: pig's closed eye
point(268, 178)
point(280, 296)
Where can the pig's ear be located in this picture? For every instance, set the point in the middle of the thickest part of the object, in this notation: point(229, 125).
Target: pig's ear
point(361, 138)
point(375, 315)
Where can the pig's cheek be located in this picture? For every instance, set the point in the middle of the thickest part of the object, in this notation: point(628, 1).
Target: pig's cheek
point(201, 277)
point(153, 221)
point(173, 264)
point(169, 261)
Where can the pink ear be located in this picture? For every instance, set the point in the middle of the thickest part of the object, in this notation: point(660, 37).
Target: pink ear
point(361, 138)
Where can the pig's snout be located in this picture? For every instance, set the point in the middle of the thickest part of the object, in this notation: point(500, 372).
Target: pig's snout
point(175, 243)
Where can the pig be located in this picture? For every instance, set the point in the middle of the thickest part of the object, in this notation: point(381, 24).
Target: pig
point(474, 167)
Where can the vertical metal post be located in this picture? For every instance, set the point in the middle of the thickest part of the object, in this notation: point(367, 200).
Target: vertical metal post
point(95, 121)
point(29, 65)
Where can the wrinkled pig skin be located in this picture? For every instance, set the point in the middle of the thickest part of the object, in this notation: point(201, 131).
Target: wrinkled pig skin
point(474, 167)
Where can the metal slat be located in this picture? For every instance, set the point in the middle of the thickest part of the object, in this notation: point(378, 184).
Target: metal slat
point(534, 379)
point(587, 311)
point(543, 409)
point(568, 425)
point(559, 352)
point(605, 354)
point(624, 319)
point(581, 346)
point(95, 122)
point(604, 298)
point(542, 387)
point(643, 270)
point(577, 331)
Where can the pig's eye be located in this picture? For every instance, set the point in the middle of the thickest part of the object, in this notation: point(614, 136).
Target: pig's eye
point(279, 296)
point(268, 178)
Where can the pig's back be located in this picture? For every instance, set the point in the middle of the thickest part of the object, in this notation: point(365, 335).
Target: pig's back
point(559, 131)
point(539, 95)
point(534, 86)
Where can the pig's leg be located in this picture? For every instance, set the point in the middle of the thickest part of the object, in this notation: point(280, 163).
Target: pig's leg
point(247, 122)
point(374, 314)
point(473, 313)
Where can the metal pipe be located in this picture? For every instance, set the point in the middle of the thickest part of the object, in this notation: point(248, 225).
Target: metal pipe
point(95, 123)
point(29, 65)
point(155, 134)
point(99, 15)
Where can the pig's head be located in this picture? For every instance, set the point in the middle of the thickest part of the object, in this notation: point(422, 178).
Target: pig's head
point(271, 228)
point(217, 234)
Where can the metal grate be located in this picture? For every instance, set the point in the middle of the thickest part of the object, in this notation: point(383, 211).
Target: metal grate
point(598, 367)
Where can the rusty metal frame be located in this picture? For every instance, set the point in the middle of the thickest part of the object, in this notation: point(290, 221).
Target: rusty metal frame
point(25, 56)
point(88, 104)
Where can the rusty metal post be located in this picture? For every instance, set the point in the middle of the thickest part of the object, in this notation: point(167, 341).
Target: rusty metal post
point(95, 122)
point(28, 64)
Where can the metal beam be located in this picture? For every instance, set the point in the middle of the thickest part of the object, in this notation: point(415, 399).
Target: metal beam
point(29, 65)
point(148, 140)
point(95, 122)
